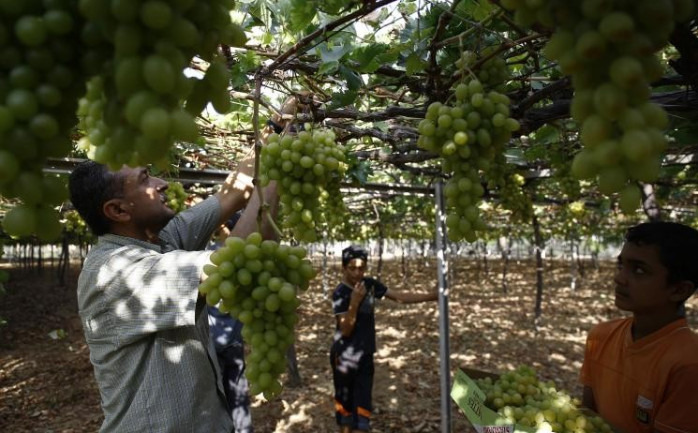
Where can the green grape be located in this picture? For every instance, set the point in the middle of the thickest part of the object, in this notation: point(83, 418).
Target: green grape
point(308, 166)
point(263, 298)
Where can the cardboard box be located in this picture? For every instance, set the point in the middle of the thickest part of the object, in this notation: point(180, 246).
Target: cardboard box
point(471, 400)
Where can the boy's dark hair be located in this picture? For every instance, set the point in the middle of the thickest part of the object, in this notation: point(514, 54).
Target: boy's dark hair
point(91, 185)
point(353, 252)
point(676, 243)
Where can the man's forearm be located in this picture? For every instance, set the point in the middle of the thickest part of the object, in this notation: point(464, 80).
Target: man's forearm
point(348, 320)
point(248, 220)
point(234, 194)
point(412, 298)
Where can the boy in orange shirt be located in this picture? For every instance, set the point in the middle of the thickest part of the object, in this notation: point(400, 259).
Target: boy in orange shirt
point(641, 373)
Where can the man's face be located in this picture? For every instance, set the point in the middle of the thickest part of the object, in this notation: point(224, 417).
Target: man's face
point(354, 271)
point(642, 283)
point(145, 200)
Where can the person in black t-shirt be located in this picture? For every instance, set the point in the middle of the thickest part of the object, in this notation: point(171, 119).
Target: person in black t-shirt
point(351, 355)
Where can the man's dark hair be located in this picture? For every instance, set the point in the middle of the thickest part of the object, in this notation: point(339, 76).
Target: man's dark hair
point(353, 252)
point(676, 243)
point(91, 185)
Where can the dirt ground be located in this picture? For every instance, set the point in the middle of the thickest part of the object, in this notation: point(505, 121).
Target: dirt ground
point(47, 385)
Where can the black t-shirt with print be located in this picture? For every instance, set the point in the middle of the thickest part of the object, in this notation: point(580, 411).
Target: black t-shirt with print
point(364, 336)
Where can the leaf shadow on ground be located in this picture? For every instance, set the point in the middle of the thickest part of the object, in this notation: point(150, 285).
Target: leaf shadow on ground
point(47, 385)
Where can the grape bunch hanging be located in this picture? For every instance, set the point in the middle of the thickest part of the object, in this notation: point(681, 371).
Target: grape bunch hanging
point(608, 48)
point(139, 100)
point(308, 168)
point(119, 67)
point(469, 135)
point(41, 79)
point(257, 283)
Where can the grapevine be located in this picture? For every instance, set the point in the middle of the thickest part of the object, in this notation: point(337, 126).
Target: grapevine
point(257, 282)
point(139, 101)
point(42, 79)
point(470, 136)
point(608, 48)
point(176, 197)
point(308, 167)
point(116, 69)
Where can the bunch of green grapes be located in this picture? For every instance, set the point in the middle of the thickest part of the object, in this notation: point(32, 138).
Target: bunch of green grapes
point(307, 166)
point(493, 73)
point(40, 81)
point(523, 399)
point(139, 100)
point(512, 196)
point(75, 227)
point(176, 196)
point(608, 48)
point(332, 210)
point(257, 283)
point(468, 135)
point(37, 214)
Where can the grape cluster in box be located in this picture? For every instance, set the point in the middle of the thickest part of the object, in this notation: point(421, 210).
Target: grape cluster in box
point(256, 282)
point(307, 166)
point(517, 401)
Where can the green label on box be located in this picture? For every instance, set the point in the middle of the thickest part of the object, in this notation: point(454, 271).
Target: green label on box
point(471, 400)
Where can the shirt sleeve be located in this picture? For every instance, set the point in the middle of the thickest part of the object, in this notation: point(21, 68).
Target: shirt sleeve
point(191, 229)
point(379, 289)
point(340, 300)
point(157, 293)
point(591, 343)
point(677, 413)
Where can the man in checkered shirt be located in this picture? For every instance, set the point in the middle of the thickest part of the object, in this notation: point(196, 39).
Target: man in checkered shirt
point(143, 318)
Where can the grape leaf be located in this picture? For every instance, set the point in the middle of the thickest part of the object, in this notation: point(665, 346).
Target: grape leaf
point(342, 99)
point(333, 54)
point(367, 57)
point(354, 81)
point(414, 64)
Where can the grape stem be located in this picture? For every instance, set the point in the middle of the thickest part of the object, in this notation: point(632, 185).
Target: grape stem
point(257, 150)
point(271, 221)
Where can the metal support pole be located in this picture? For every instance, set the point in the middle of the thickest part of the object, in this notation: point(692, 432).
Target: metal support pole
point(442, 271)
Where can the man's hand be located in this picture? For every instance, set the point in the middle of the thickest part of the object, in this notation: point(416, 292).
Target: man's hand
point(302, 102)
point(358, 293)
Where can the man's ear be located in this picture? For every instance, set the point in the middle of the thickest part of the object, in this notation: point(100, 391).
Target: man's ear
point(682, 291)
point(115, 210)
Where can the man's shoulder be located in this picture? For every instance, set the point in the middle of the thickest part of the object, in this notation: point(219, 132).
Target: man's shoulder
point(375, 284)
point(340, 289)
point(604, 329)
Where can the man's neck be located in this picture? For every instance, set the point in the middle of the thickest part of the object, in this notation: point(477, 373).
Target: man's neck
point(127, 232)
point(646, 325)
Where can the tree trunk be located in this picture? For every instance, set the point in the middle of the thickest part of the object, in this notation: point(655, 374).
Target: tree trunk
point(63, 261)
point(538, 241)
point(595, 256)
point(505, 251)
point(325, 286)
point(573, 266)
point(649, 202)
point(380, 251)
point(580, 262)
point(404, 265)
point(294, 376)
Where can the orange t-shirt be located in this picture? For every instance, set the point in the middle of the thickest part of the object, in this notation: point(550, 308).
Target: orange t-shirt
point(644, 385)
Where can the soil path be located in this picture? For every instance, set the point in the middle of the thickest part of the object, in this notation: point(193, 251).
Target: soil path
point(47, 385)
